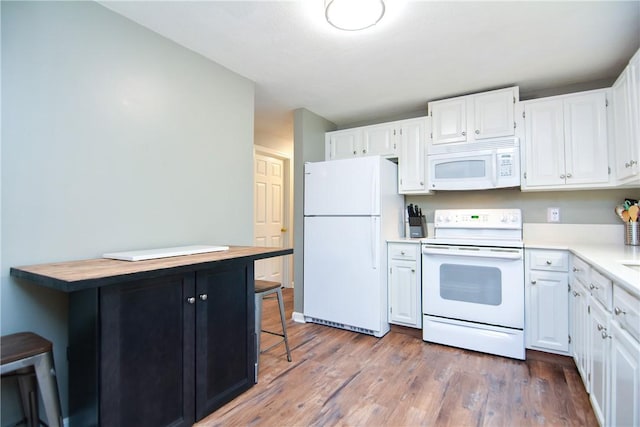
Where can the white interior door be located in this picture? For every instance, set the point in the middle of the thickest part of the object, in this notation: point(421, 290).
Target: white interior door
point(268, 214)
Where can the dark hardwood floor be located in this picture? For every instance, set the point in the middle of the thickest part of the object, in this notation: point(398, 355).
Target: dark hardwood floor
point(344, 378)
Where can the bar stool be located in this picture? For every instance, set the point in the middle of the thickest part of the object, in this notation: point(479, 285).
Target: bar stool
point(263, 289)
point(26, 352)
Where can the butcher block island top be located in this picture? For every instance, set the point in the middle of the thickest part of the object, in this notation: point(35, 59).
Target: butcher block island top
point(73, 276)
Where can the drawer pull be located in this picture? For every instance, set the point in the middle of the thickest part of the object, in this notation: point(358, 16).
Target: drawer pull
point(575, 269)
point(533, 282)
point(605, 335)
point(592, 286)
point(401, 252)
point(203, 297)
point(576, 294)
point(619, 311)
point(548, 262)
point(191, 300)
point(600, 327)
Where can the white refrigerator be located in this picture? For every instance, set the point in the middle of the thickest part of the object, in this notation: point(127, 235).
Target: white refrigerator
point(351, 208)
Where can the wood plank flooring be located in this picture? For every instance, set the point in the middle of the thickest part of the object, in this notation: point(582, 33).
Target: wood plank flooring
point(341, 378)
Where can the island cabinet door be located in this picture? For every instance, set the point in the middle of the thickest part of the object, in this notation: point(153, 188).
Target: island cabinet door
point(225, 339)
point(146, 356)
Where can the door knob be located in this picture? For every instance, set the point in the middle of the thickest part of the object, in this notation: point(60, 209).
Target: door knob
point(203, 297)
point(191, 300)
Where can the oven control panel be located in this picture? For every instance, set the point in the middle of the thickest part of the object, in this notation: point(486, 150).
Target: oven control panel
point(478, 218)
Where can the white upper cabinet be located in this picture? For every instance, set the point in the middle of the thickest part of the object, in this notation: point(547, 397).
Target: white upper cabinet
point(380, 140)
point(362, 141)
point(625, 94)
point(343, 144)
point(412, 165)
point(565, 142)
point(474, 117)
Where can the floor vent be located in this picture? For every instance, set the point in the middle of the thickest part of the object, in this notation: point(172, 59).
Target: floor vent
point(340, 325)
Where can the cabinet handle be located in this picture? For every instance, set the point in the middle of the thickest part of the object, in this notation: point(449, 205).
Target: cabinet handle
point(401, 252)
point(562, 176)
point(618, 311)
point(605, 335)
point(364, 151)
point(413, 270)
point(569, 175)
point(203, 297)
point(575, 270)
point(633, 162)
point(548, 262)
point(464, 133)
point(191, 300)
point(533, 282)
point(477, 132)
point(627, 165)
point(592, 286)
point(355, 152)
point(600, 327)
point(576, 294)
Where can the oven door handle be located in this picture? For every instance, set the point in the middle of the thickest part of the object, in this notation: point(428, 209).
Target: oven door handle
point(502, 254)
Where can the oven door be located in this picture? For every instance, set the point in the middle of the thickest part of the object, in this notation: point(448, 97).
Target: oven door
point(477, 284)
point(462, 171)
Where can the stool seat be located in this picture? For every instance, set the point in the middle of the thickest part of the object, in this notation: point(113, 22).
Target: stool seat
point(265, 285)
point(264, 288)
point(28, 352)
point(21, 345)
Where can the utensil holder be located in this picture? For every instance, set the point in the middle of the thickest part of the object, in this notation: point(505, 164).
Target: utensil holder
point(632, 233)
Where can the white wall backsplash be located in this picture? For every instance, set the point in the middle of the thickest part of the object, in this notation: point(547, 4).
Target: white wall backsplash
point(540, 233)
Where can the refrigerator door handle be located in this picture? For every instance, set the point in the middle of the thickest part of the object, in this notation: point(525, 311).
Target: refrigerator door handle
point(374, 242)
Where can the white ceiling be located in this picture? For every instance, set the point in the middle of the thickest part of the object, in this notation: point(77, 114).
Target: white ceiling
point(420, 51)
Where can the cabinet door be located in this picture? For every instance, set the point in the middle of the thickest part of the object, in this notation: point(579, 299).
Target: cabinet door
point(403, 292)
point(586, 149)
point(493, 114)
point(625, 379)
point(449, 120)
point(225, 335)
point(379, 140)
point(548, 317)
point(412, 161)
point(344, 144)
point(626, 140)
point(146, 369)
point(579, 337)
point(599, 359)
point(544, 143)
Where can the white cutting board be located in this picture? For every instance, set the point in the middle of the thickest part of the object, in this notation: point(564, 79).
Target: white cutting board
point(163, 252)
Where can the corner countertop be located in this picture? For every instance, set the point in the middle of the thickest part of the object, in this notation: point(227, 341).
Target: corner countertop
point(606, 258)
point(73, 276)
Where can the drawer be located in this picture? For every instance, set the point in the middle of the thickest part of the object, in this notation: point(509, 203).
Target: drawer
point(408, 251)
point(601, 288)
point(549, 260)
point(626, 311)
point(580, 270)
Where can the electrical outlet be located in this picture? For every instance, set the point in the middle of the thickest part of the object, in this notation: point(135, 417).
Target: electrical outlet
point(553, 214)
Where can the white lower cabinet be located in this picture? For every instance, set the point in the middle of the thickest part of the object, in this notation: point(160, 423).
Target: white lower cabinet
point(625, 378)
point(604, 324)
point(547, 301)
point(404, 284)
point(599, 359)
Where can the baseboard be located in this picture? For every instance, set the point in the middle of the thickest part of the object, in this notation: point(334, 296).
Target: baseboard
point(298, 317)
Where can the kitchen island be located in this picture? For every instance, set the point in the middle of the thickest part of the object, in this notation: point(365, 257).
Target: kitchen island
point(158, 342)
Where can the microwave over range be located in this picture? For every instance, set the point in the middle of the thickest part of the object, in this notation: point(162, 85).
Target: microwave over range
point(474, 166)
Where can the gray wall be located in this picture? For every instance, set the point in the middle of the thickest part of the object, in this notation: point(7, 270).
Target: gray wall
point(576, 207)
point(113, 138)
point(308, 143)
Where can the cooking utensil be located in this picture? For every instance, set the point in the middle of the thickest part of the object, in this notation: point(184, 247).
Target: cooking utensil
point(625, 216)
point(633, 213)
point(619, 209)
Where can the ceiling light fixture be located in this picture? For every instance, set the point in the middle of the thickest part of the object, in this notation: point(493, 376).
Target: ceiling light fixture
point(353, 15)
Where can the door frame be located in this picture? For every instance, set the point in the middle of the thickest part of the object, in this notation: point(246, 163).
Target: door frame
point(287, 206)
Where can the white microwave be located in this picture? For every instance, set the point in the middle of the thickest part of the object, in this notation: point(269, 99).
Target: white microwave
point(474, 166)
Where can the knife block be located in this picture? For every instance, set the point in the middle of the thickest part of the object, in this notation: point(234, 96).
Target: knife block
point(417, 227)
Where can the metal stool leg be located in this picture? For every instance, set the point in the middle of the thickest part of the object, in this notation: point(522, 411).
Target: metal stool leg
point(46, 374)
point(284, 325)
point(258, 322)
